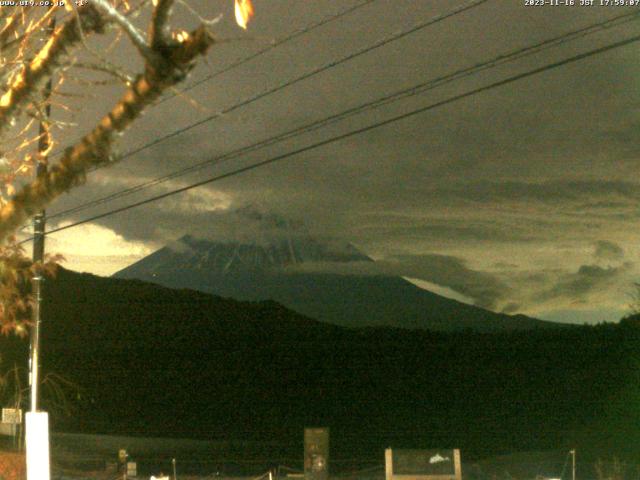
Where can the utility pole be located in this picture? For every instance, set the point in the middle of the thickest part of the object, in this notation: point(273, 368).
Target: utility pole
point(573, 464)
point(37, 423)
point(38, 256)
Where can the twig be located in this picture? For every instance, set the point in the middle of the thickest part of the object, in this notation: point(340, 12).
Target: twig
point(39, 69)
point(95, 148)
point(136, 37)
point(157, 30)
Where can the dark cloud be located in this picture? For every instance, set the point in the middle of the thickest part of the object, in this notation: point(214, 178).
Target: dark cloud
point(577, 286)
point(504, 266)
point(599, 193)
point(605, 250)
point(462, 230)
point(452, 272)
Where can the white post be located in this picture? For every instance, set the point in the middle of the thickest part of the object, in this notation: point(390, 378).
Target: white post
point(37, 443)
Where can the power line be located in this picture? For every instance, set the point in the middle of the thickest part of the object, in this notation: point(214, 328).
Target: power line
point(398, 95)
point(312, 73)
point(397, 36)
point(275, 44)
point(271, 46)
point(358, 131)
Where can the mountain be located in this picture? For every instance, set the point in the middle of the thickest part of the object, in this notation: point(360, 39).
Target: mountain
point(153, 361)
point(282, 270)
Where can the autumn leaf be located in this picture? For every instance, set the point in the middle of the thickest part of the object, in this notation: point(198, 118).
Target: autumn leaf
point(16, 298)
point(244, 12)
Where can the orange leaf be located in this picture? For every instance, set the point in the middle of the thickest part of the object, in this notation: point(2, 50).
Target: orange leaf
point(244, 12)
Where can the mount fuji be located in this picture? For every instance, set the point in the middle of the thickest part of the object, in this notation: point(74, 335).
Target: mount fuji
point(278, 269)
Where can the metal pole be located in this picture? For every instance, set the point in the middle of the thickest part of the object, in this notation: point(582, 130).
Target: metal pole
point(38, 256)
point(573, 464)
point(35, 343)
point(38, 244)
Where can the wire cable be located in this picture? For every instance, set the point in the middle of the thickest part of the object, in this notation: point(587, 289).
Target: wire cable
point(381, 43)
point(242, 61)
point(397, 36)
point(275, 44)
point(401, 94)
point(357, 131)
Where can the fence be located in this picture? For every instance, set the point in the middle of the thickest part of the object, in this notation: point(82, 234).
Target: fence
point(76, 456)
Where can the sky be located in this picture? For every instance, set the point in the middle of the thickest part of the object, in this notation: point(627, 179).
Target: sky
point(520, 199)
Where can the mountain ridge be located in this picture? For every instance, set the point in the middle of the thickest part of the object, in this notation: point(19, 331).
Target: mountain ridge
point(254, 271)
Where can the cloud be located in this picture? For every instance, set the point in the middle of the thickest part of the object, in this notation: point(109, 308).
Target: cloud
point(578, 286)
point(484, 289)
point(509, 291)
point(101, 251)
point(605, 250)
point(452, 272)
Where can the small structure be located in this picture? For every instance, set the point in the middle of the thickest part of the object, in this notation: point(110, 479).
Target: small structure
point(423, 464)
point(11, 419)
point(316, 453)
point(132, 469)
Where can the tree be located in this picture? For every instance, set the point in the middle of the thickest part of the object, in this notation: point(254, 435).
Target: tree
point(31, 56)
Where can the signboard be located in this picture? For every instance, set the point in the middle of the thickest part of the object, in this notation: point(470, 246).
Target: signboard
point(316, 453)
point(132, 469)
point(423, 464)
point(12, 415)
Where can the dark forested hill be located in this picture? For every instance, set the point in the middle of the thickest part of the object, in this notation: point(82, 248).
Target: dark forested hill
point(156, 361)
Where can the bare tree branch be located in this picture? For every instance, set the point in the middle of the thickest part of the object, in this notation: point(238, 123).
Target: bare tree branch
point(136, 37)
point(108, 68)
point(95, 148)
point(157, 31)
point(34, 74)
point(30, 55)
